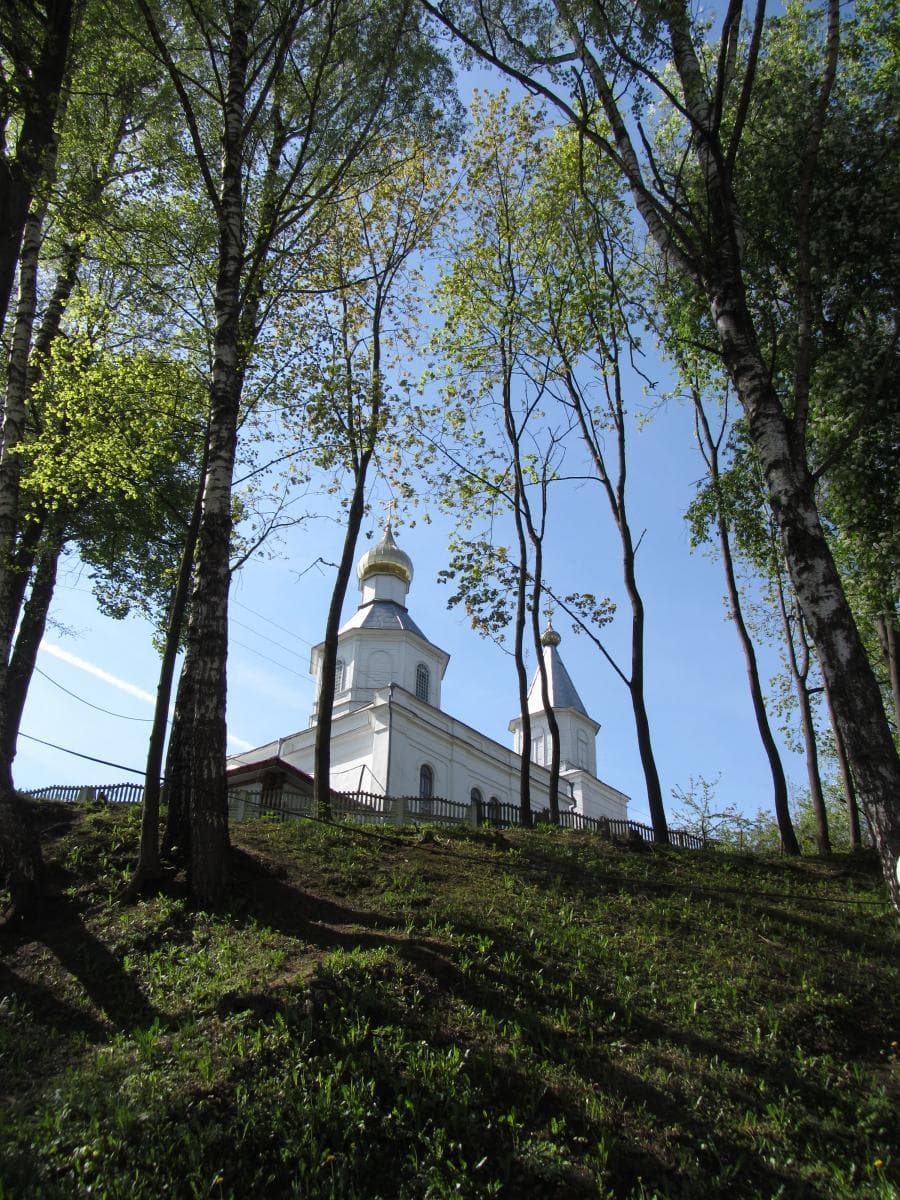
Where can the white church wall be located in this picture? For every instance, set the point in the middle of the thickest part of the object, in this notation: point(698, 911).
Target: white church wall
point(596, 799)
point(358, 750)
point(460, 758)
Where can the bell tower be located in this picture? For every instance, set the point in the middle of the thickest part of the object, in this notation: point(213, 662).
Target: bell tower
point(381, 645)
point(577, 730)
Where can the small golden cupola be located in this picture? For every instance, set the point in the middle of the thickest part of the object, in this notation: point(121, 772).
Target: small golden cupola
point(385, 572)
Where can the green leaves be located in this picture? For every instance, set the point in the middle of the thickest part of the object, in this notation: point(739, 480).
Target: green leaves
point(110, 423)
point(485, 579)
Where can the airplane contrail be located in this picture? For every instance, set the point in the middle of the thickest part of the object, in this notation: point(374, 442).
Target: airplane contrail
point(122, 684)
point(73, 660)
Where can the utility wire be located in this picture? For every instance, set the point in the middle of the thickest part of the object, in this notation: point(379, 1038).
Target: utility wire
point(266, 638)
point(75, 696)
point(105, 762)
point(269, 621)
point(268, 658)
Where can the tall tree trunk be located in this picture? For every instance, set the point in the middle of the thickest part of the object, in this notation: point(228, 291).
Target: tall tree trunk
point(149, 866)
point(30, 632)
point(813, 774)
point(525, 815)
point(176, 842)
point(546, 698)
point(209, 608)
point(19, 546)
point(846, 775)
point(362, 456)
point(325, 708)
point(14, 571)
point(615, 491)
point(21, 862)
point(13, 579)
point(636, 689)
point(889, 637)
point(33, 166)
point(789, 842)
point(792, 626)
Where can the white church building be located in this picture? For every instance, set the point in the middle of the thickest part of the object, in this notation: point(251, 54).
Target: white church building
point(390, 736)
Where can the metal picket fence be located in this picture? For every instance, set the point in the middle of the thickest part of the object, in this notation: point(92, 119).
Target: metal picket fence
point(370, 808)
point(91, 793)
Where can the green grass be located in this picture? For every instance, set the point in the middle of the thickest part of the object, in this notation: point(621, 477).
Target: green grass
point(382, 1015)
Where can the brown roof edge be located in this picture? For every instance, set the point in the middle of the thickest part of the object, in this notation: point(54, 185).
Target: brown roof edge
point(234, 774)
point(267, 764)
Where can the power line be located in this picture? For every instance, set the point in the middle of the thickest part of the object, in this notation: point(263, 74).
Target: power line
point(75, 696)
point(265, 637)
point(105, 762)
point(268, 658)
point(269, 621)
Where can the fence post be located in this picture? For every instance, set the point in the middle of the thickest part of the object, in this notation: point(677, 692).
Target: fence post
point(398, 814)
point(472, 814)
point(239, 804)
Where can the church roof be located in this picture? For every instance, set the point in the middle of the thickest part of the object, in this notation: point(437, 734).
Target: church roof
point(383, 614)
point(559, 682)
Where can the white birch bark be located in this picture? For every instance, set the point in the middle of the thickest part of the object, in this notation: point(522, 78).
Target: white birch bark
point(209, 612)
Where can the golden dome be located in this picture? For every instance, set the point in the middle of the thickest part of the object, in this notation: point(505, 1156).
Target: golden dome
point(386, 559)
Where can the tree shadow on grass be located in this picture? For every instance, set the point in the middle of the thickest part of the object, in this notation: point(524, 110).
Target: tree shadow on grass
point(325, 925)
point(99, 974)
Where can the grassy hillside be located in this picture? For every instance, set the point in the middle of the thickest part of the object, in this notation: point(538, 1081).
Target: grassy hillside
point(386, 1014)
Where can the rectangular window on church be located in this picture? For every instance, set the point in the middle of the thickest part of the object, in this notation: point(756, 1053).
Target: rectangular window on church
point(583, 752)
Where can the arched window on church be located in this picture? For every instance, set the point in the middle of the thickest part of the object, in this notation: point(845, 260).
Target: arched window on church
point(476, 798)
point(426, 782)
point(339, 675)
point(423, 679)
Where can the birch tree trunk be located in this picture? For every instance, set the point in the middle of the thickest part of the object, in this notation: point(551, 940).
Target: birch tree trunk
point(525, 815)
point(546, 698)
point(858, 708)
point(13, 570)
point(22, 176)
point(615, 491)
point(209, 608)
point(799, 669)
point(176, 841)
point(362, 457)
